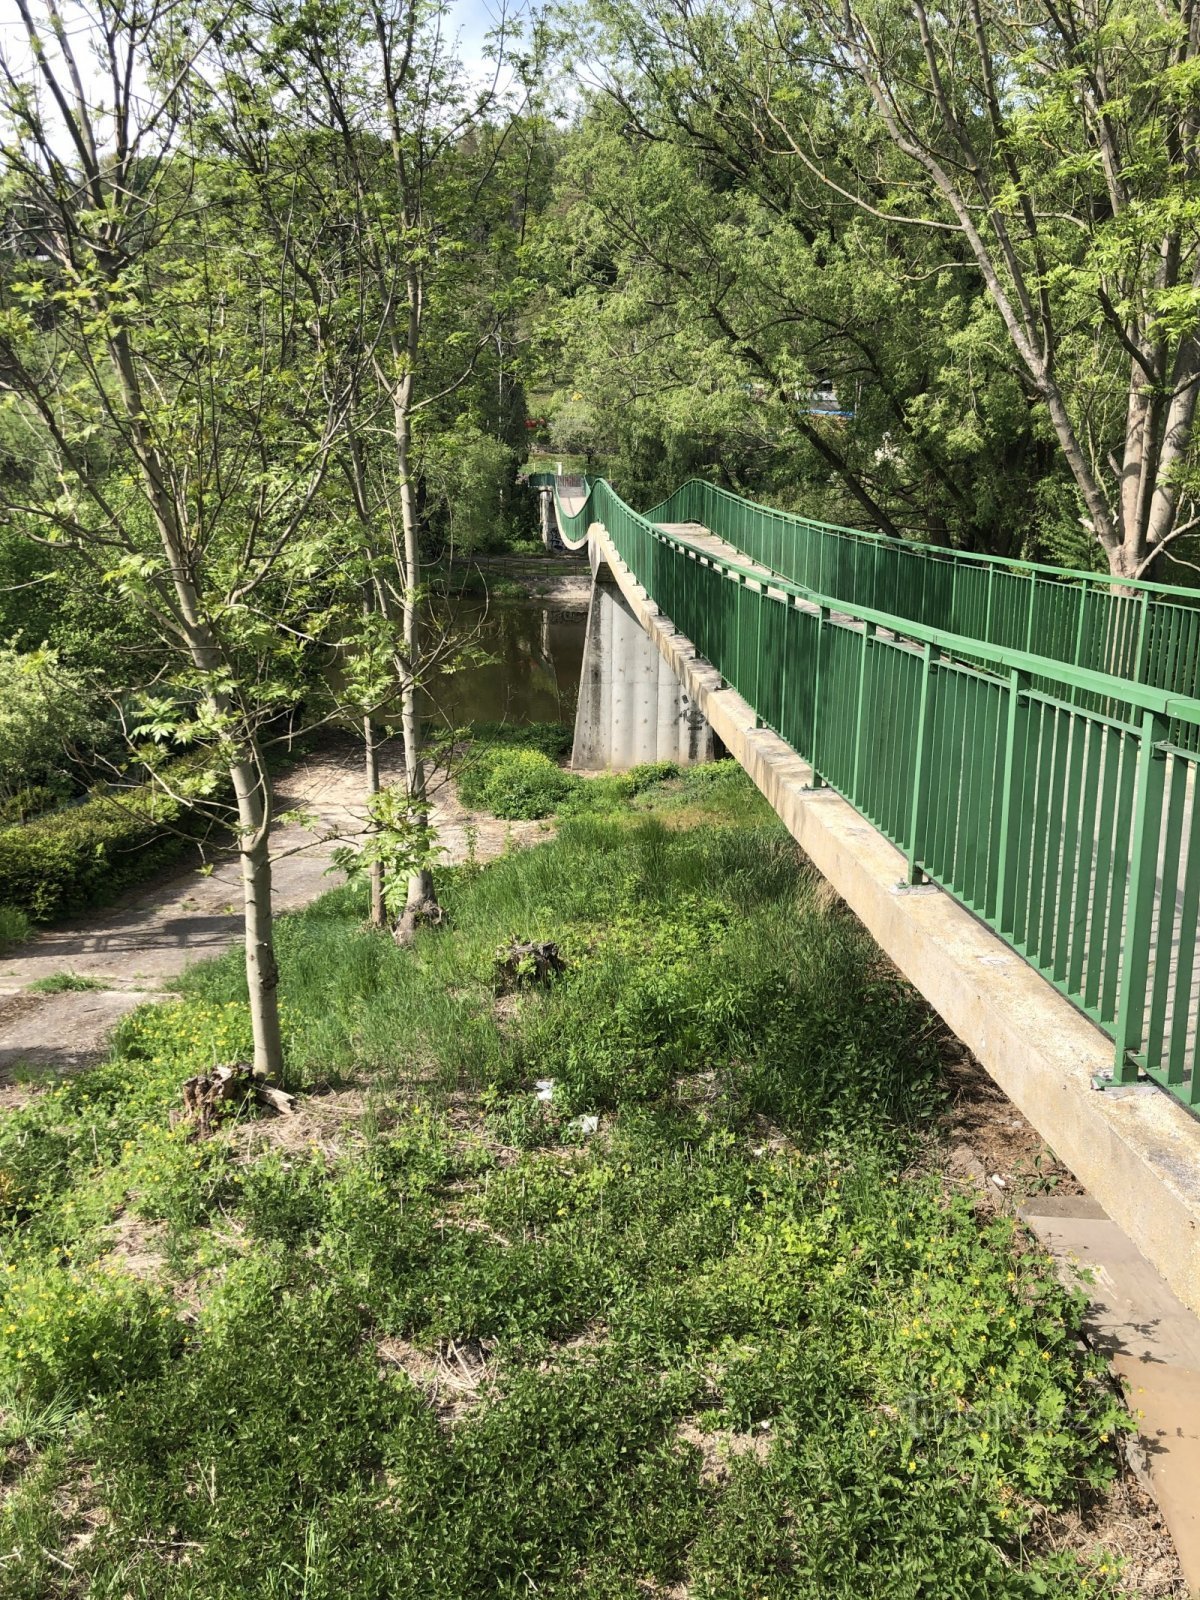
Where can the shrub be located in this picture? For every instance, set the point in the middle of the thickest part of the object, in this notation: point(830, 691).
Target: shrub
point(44, 709)
point(513, 772)
point(86, 854)
point(26, 803)
point(490, 741)
point(14, 926)
point(523, 784)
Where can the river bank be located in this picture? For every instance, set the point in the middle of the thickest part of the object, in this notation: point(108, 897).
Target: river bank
point(559, 580)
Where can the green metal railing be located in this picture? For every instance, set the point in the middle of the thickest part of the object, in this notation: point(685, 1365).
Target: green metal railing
point(1073, 832)
point(1146, 632)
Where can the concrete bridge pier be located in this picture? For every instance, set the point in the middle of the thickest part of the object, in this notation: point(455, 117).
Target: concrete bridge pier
point(546, 506)
point(632, 707)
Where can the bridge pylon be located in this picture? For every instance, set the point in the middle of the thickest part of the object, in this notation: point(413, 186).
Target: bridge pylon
point(632, 707)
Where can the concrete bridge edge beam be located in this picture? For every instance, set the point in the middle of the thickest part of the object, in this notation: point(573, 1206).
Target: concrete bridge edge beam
point(1136, 1151)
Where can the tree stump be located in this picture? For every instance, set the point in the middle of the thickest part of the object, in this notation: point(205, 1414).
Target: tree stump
point(520, 966)
point(425, 914)
point(205, 1095)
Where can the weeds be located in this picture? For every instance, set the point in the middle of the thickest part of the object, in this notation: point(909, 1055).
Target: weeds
point(65, 983)
point(738, 1249)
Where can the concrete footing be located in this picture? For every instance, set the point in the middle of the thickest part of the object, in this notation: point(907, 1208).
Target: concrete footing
point(1152, 1343)
point(632, 706)
point(1137, 1153)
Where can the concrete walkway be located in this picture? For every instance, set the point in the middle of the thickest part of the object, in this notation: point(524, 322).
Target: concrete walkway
point(1152, 1344)
point(137, 946)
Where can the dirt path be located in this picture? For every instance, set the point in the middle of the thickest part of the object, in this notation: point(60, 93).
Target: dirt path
point(151, 934)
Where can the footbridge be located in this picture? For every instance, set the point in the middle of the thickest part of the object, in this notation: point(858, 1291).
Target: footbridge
point(993, 762)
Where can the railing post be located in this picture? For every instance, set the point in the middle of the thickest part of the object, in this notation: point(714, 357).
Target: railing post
point(1143, 876)
point(1076, 695)
point(1016, 714)
point(868, 634)
point(738, 580)
point(1139, 660)
point(1084, 595)
point(921, 773)
point(818, 781)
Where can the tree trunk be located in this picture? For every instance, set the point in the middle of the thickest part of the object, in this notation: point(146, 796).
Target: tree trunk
point(421, 903)
point(371, 749)
point(262, 972)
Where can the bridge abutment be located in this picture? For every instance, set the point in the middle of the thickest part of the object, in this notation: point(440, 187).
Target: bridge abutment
point(632, 707)
point(546, 513)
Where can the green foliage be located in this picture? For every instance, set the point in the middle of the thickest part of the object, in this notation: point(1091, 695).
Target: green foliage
point(14, 927)
point(399, 840)
point(514, 772)
point(747, 1258)
point(86, 854)
point(524, 783)
point(80, 1332)
point(27, 802)
point(576, 428)
point(65, 983)
point(765, 279)
point(471, 485)
point(45, 710)
point(553, 739)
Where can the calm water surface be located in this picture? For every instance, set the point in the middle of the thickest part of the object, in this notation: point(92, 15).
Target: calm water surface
point(535, 652)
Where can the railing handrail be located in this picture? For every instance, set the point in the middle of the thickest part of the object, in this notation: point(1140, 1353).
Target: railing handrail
point(1109, 686)
point(935, 552)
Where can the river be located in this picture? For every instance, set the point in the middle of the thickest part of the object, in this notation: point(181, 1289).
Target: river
point(534, 652)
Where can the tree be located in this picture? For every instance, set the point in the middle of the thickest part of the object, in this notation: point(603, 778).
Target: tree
point(427, 175)
point(1061, 140)
point(702, 287)
point(1050, 148)
point(575, 427)
point(157, 361)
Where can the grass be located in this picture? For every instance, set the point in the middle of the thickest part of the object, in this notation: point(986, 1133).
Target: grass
point(514, 771)
point(15, 927)
point(64, 983)
point(429, 1339)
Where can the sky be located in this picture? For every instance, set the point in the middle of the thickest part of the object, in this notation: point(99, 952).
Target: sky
point(472, 20)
